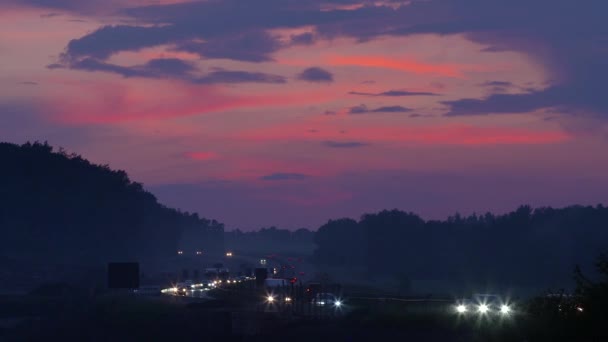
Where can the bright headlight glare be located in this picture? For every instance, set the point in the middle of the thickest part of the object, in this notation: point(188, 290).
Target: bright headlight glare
point(270, 299)
point(505, 309)
point(483, 308)
point(338, 303)
point(461, 308)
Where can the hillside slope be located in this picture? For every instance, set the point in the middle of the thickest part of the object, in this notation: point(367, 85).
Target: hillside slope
point(58, 208)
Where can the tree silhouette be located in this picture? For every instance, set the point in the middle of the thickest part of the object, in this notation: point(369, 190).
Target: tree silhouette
point(58, 208)
point(526, 248)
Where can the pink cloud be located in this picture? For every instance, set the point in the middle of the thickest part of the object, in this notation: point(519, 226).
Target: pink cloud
point(136, 100)
point(455, 134)
point(405, 64)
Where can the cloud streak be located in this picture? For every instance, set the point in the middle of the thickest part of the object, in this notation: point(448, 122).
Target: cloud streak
point(226, 76)
point(363, 109)
point(279, 176)
point(394, 93)
point(154, 68)
point(344, 144)
point(172, 68)
point(316, 74)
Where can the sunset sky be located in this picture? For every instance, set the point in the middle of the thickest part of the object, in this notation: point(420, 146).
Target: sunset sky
point(292, 112)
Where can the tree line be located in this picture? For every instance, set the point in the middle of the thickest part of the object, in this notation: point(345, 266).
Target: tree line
point(59, 207)
point(271, 240)
point(526, 248)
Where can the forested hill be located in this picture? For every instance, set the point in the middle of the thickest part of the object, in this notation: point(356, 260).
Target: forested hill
point(59, 207)
point(533, 248)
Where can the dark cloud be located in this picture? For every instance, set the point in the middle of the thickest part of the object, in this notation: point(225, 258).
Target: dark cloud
point(235, 29)
point(256, 46)
point(417, 115)
point(316, 74)
point(155, 68)
point(303, 39)
point(363, 109)
point(330, 112)
point(558, 98)
point(395, 93)
point(391, 109)
point(108, 40)
point(92, 64)
point(497, 84)
point(511, 103)
point(360, 109)
point(284, 176)
point(172, 68)
point(562, 35)
point(566, 37)
point(344, 144)
point(226, 76)
point(67, 5)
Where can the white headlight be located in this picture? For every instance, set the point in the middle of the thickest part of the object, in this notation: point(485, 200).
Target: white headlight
point(338, 303)
point(461, 308)
point(505, 309)
point(483, 308)
point(270, 299)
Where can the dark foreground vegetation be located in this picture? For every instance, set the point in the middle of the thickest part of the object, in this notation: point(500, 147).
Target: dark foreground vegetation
point(67, 314)
point(525, 249)
point(61, 213)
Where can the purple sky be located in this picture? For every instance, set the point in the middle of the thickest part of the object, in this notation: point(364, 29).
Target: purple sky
point(291, 112)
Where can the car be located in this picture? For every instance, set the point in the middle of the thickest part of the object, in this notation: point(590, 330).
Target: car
point(484, 304)
point(182, 290)
point(326, 299)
